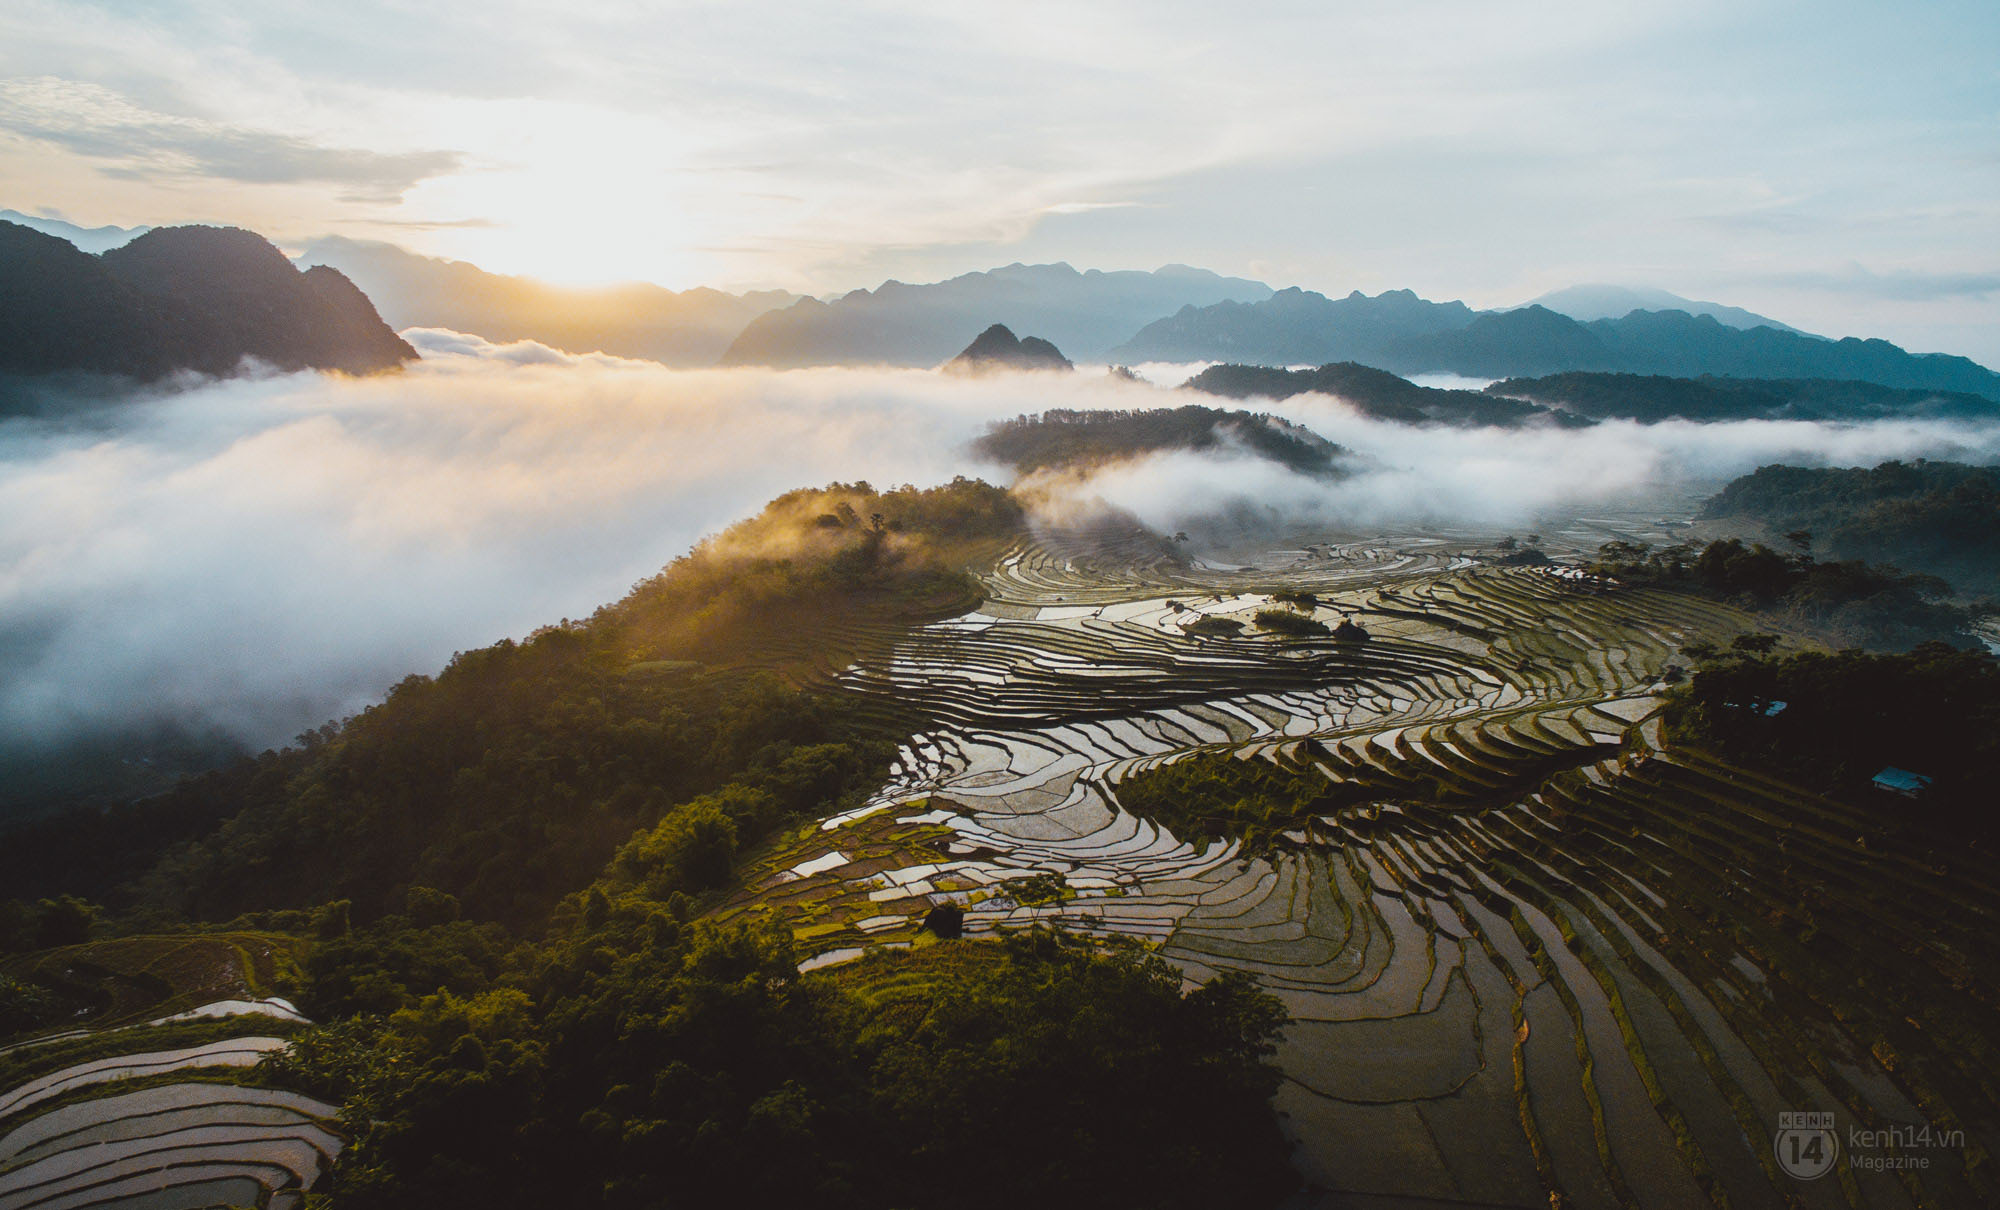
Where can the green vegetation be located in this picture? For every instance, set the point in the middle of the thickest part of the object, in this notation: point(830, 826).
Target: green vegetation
point(1215, 796)
point(1213, 626)
point(1651, 398)
point(511, 777)
point(1942, 518)
point(1933, 711)
point(58, 979)
point(636, 1061)
point(509, 886)
point(1852, 602)
point(1376, 393)
point(1063, 438)
point(1289, 624)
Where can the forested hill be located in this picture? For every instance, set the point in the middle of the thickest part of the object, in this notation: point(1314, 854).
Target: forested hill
point(180, 298)
point(1376, 393)
point(1651, 397)
point(510, 777)
point(1062, 439)
point(518, 887)
point(1940, 518)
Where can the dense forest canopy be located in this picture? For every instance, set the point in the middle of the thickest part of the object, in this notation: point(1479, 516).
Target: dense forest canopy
point(1651, 398)
point(510, 777)
point(1934, 711)
point(1942, 518)
point(501, 877)
point(1065, 438)
point(1373, 392)
point(1851, 602)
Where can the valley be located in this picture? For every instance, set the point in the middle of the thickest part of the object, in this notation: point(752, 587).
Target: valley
point(1552, 955)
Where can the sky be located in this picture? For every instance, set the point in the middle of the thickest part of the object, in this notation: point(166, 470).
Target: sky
point(1835, 165)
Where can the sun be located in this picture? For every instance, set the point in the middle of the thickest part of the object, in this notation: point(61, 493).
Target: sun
point(572, 198)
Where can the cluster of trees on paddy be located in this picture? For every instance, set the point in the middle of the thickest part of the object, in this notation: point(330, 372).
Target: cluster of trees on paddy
point(1851, 601)
point(502, 872)
point(1937, 517)
point(1933, 711)
point(1066, 438)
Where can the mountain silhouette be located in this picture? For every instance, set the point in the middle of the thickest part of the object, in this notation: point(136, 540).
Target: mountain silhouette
point(687, 328)
point(997, 349)
point(1404, 334)
point(1597, 301)
point(180, 298)
point(1294, 327)
point(899, 324)
point(90, 239)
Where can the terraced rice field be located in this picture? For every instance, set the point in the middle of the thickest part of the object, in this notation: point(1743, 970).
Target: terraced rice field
point(1565, 964)
point(107, 1118)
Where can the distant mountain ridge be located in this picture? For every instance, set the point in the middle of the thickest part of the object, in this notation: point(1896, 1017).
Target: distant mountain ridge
point(1598, 301)
point(1399, 332)
point(1295, 327)
point(180, 298)
point(89, 239)
point(688, 328)
point(1085, 313)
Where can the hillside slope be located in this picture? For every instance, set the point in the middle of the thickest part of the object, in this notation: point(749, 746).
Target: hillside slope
point(180, 298)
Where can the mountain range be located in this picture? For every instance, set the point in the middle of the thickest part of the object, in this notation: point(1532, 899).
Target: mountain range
point(677, 328)
point(89, 239)
point(1173, 314)
point(1399, 331)
point(180, 298)
point(905, 325)
point(1598, 301)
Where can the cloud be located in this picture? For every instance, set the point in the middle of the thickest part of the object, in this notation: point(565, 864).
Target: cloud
point(259, 556)
point(141, 144)
point(433, 343)
point(1479, 479)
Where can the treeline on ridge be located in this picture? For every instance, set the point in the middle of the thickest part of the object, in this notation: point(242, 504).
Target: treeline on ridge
point(1942, 518)
point(1933, 711)
point(511, 776)
point(1851, 602)
point(1069, 438)
point(502, 873)
point(1651, 398)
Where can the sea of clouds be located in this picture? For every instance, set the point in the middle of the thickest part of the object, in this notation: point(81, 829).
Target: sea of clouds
point(260, 554)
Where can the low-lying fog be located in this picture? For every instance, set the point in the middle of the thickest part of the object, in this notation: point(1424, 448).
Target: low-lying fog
point(264, 554)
